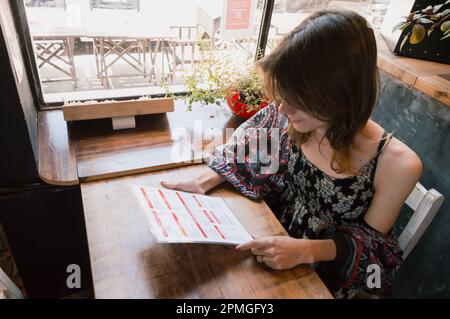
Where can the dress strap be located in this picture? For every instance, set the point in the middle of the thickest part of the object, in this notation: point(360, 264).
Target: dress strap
point(383, 143)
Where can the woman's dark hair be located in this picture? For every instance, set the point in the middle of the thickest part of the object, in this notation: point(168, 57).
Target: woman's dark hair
point(327, 67)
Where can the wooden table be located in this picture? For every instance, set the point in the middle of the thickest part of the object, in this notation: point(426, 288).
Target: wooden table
point(127, 263)
point(117, 41)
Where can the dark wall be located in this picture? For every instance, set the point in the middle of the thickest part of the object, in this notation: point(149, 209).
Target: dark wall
point(46, 233)
point(17, 159)
point(44, 224)
point(423, 124)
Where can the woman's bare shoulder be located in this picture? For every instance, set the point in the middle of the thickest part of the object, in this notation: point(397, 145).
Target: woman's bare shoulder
point(398, 161)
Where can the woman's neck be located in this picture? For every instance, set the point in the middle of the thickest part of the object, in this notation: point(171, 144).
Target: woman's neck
point(360, 140)
point(318, 136)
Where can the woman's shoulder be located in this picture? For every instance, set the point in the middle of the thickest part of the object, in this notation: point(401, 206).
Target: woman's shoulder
point(399, 155)
point(395, 157)
point(398, 162)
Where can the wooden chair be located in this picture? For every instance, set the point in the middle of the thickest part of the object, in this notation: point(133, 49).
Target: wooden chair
point(425, 204)
point(8, 290)
point(110, 51)
point(59, 54)
point(181, 53)
point(185, 32)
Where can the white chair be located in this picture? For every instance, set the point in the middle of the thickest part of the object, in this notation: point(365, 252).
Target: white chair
point(425, 204)
point(8, 290)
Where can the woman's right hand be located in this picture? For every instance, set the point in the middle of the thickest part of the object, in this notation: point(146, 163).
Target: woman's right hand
point(191, 186)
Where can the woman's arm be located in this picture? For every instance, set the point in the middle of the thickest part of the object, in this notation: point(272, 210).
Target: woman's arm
point(399, 169)
point(246, 176)
point(253, 170)
point(201, 184)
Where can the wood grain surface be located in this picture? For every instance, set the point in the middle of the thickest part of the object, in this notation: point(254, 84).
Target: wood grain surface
point(56, 152)
point(154, 145)
point(109, 109)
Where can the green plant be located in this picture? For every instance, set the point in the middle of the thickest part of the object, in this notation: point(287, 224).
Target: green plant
point(219, 75)
point(250, 90)
point(422, 23)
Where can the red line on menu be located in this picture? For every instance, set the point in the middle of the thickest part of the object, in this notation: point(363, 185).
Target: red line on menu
point(204, 211)
point(218, 230)
point(192, 215)
point(207, 215)
point(155, 213)
point(197, 201)
point(179, 224)
point(146, 198)
point(215, 217)
point(165, 199)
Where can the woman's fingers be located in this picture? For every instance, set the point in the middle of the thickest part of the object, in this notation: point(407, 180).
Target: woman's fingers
point(189, 186)
point(245, 246)
point(177, 186)
point(262, 252)
point(168, 185)
point(257, 243)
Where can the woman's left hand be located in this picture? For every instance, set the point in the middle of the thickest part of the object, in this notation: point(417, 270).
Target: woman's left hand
point(280, 252)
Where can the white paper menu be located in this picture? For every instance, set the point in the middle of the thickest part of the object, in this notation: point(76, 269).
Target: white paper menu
point(180, 217)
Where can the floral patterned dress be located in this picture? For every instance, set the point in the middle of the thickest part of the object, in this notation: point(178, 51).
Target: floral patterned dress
point(311, 204)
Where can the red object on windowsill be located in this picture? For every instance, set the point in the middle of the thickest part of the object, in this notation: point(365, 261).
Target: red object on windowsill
point(240, 109)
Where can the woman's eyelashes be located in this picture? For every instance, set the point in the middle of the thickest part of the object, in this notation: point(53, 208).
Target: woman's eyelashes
point(293, 114)
point(284, 108)
point(294, 120)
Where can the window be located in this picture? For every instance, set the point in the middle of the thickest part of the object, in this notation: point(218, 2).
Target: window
point(104, 49)
point(115, 4)
point(110, 49)
point(287, 14)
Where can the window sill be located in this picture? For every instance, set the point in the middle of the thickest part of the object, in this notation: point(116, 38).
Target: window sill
point(74, 152)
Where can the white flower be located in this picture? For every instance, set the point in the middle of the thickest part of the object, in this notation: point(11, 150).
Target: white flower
point(316, 224)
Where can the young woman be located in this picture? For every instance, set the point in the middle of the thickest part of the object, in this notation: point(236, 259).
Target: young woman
point(342, 179)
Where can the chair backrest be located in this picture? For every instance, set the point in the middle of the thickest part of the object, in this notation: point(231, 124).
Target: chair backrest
point(8, 290)
point(185, 32)
point(425, 204)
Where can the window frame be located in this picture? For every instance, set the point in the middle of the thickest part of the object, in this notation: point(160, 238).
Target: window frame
point(21, 23)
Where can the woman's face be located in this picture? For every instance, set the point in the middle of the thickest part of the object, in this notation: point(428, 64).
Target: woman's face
point(301, 121)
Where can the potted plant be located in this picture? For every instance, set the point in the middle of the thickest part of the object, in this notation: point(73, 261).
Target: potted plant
point(217, 78)
point(245, 96)
point(426, 32)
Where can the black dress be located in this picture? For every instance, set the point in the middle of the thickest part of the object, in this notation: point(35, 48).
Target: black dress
point(311, 204)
